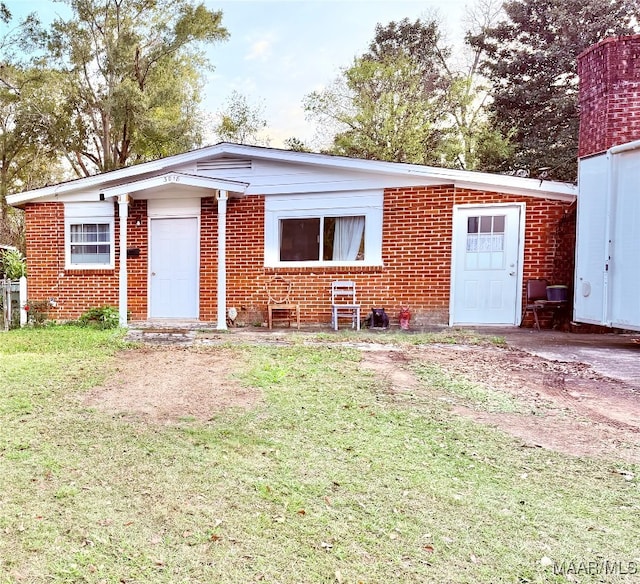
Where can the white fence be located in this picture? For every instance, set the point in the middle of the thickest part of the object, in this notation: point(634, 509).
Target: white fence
point(13, 297)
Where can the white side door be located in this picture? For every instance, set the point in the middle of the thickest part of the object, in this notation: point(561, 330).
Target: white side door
point(624, 300)
point(173, 268)
point(486, 265)
point(593, 234)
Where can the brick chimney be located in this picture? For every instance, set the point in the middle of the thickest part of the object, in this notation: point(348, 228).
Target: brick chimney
point(609, 94)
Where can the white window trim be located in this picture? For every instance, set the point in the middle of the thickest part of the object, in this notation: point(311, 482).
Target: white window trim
point(95, 214)
point(311, 206)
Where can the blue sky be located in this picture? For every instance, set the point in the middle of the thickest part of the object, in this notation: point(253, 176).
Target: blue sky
point(280, 51)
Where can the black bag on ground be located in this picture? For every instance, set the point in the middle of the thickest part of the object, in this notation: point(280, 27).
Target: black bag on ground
point(377, 319)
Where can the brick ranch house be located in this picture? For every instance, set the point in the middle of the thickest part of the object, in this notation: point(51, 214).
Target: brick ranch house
point(189, 236)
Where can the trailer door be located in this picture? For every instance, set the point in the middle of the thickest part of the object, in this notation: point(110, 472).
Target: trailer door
point(590, 296)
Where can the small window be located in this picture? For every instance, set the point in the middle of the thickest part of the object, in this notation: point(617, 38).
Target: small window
point(90, 243)
point(89, 235)
point(331, 239)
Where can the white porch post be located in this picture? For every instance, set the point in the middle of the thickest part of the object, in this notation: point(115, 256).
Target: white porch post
point(222, 260)
point(123, 214)
point(23, 301)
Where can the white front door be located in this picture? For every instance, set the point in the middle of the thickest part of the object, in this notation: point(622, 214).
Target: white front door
point(486, 258)
point(173, 268)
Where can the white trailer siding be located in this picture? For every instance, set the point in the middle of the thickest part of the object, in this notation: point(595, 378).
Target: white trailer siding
point(607, 285)
point(624, 270)
point(591, 240)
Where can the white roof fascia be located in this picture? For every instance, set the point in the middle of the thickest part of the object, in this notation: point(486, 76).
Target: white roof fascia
point(177, 178)
point(123, 173)
point(430, 174)
point(494, 182)
point(410, 182)
point(635, 145)
point(482, 180)
point(542, 191)
point(331, 186)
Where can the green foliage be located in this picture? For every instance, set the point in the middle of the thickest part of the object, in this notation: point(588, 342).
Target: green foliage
point(404, 101)
point(390, 103)
point(12, 264)
point(27, 162)
point(131, 74)
point(103, 317)
point(241, 122)
point(5, 15)
point(531, 61)
point(296, 145)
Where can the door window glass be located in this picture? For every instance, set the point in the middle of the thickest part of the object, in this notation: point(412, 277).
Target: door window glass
point(485, 242)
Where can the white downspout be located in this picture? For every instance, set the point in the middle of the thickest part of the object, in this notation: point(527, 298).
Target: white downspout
point(123, 214)
point(222, 260)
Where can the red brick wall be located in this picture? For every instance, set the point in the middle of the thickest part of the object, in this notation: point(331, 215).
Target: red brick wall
point(74, 291)
point(208, 260)
point(609, 94)
point(137, 267)
point(417, 236)
point(416, 255)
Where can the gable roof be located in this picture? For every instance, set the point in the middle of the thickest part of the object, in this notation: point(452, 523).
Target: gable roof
point(396, 173)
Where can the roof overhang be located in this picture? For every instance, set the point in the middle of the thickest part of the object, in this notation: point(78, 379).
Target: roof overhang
point(171, 179)
point(155, 174)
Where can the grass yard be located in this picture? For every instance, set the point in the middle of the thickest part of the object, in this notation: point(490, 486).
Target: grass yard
point(329, 478)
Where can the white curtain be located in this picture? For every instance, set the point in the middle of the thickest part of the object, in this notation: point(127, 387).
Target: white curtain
point(347, 238)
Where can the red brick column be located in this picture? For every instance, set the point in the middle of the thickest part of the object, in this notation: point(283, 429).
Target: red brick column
point(609, 94)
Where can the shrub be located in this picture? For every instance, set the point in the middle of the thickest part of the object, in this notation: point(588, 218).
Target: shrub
point(103, 317)
point(12, 264)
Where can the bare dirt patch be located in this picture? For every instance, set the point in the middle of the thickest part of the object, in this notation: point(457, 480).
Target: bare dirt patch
point(565, 407)
point(165, 385)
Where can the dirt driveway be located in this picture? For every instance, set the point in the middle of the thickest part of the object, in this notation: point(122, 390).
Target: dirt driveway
point(565, 406)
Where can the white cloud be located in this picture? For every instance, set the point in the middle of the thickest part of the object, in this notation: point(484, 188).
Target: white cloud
point(280, 51)
point(260, 49)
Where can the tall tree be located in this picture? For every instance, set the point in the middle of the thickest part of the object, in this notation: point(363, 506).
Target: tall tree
point(390, 104)
point(478, 144)
point(241, 121)
point(25, 160)
point(405, 100)
point(130, 80)
point(531, 63)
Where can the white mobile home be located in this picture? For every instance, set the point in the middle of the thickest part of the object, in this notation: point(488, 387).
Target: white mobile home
point(607, 274)
point(607, 284)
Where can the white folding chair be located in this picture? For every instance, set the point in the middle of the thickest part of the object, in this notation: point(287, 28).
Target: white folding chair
point(344, 304)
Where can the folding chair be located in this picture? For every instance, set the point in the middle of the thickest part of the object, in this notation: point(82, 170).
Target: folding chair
point(344, 303)
point(538, 301)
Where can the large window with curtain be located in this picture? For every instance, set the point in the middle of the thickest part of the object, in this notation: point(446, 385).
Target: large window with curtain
point(324, 229)
point(322, 238)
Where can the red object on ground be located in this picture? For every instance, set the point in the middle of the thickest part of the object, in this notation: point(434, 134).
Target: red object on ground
point(405, 317)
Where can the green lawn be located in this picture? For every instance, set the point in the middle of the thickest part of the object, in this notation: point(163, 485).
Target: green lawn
point(328, 479)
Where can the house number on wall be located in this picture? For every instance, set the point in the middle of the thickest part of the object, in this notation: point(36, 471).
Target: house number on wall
point(171, 178)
